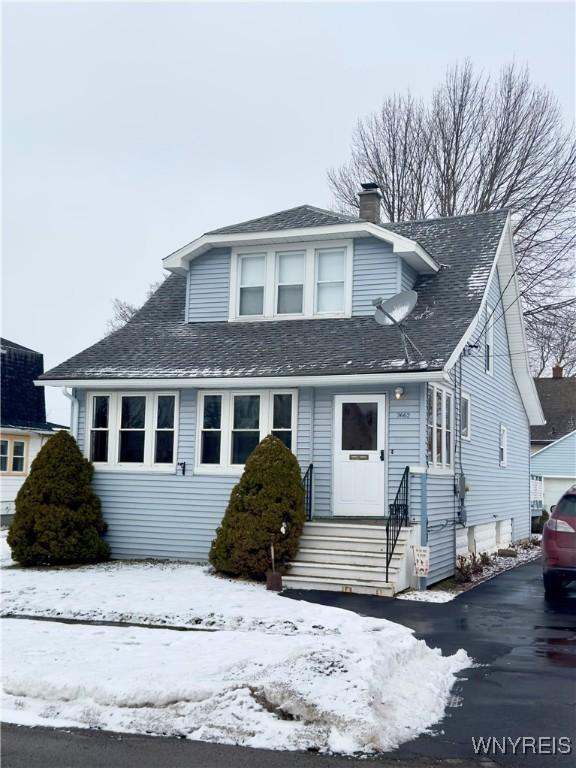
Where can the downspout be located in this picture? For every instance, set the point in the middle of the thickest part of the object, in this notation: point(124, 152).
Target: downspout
point(74, 408)
point(423, 580)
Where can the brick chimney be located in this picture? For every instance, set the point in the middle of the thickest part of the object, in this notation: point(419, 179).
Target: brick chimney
point(369, 199)
point(557, 372)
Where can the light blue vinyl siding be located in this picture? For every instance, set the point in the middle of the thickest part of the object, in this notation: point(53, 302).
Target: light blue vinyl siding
point(376, 272)
point(557, 459)
point(496, 493)
point(208, 286)
point(152, 514)
point(408, 276)
point(441, 521)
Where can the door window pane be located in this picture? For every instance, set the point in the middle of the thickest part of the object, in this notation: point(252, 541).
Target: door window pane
point(359, 426)
point(132, 447)
point(246, 411)
point(18, 449)
point(243, 443)
point(133, 412)
point(3, 455)
point(99, 445)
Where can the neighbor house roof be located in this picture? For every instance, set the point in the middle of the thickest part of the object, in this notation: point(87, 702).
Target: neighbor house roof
point(558, 399)
point(158, 343)
point(22, 403)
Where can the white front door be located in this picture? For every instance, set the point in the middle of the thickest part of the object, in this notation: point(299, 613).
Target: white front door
point(359, 455)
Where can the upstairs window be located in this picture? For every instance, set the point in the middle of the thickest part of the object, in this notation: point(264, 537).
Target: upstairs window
point(252, 281)
point(439, 431)
point(231, 424)
point(132, 430)
point(308, 281)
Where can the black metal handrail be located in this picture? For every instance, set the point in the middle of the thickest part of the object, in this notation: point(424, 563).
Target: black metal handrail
point(307, 480)
point(397, 518)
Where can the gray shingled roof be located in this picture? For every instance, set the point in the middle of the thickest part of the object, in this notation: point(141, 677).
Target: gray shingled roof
point(158, 343)
point(558, 399)
point(292, 218)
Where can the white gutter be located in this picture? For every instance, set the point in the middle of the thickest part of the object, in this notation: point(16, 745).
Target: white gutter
point(252, 382)
point(74, 409)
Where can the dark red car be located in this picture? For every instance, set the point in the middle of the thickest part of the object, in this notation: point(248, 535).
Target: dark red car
point(559, 544)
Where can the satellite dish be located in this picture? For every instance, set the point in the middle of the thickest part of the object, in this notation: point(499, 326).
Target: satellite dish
point(394, 310)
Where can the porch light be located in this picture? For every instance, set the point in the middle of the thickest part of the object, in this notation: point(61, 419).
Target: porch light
point(398, 392)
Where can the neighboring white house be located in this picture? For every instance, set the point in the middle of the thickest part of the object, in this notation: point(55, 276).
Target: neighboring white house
point(553, 445)
point(23, 428)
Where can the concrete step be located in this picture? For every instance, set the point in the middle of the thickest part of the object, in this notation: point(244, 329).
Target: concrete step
point(346, 557)
point(346, 529)
point(368, 573)
point(348, 544)
point(325, 584)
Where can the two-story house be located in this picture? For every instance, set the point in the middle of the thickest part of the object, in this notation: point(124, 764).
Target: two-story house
point(268, 326)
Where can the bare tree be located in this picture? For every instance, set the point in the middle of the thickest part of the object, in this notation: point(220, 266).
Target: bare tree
point(122, 311)
point(480, 144)
point(551, 333)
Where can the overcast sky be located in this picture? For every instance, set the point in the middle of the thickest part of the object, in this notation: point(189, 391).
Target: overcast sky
point(129, 129)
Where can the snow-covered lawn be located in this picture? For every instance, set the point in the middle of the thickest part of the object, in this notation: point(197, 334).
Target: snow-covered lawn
point(278, 673)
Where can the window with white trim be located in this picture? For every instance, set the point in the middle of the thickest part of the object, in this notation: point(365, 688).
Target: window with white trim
point(465, 416)
point(231, 424)
point(13, 455)
point(489, 341)
point(311, 280)
point(132, 430)
point(503, 449)
point(439, 429)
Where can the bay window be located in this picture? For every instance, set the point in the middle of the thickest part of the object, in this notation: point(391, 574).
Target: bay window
point(231, 424)
point(132, 430)
point(309, 281)
point(439, 427)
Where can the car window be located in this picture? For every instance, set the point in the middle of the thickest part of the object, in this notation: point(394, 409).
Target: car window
point(566, 507)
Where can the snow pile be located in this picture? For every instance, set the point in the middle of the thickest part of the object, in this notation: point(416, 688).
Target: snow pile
point(366, 689)
point(428, 596)
point(274, 672)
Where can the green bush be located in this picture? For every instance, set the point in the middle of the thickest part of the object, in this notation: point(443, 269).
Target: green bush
point(58, 519)
point(269, 493)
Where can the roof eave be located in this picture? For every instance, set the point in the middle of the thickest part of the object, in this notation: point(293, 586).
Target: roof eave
point(409, 250)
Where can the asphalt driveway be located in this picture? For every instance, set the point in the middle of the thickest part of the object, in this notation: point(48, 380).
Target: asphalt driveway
point(525, 647)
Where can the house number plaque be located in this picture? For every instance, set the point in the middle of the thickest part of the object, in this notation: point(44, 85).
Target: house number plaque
point(358, 457)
